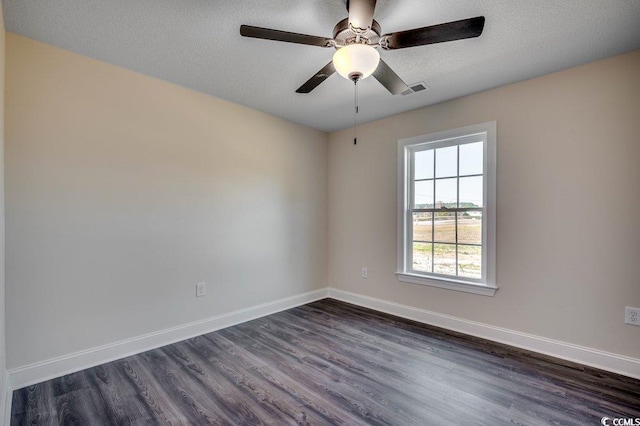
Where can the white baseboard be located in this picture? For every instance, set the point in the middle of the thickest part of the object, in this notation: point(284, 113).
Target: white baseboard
point(7, 394)
point(608, 361)
point(56, 367)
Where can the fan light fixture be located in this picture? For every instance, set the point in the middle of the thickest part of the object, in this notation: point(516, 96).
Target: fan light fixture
point(356, 61)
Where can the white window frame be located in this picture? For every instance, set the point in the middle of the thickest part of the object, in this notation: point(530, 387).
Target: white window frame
point(406, 147)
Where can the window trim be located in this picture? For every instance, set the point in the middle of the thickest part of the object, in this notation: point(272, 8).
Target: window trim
point(487, 286)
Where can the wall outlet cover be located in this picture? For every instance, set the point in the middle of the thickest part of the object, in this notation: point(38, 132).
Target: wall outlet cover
point(200, 289)
point(632, 315)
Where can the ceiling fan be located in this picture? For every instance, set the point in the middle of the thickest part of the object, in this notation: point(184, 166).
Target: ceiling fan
point(356, 39)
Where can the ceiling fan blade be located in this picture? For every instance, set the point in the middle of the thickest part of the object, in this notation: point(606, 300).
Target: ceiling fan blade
point(318, 78)
point(277, 35)
point(389, 79)
point(457, 30)
point(361, 14)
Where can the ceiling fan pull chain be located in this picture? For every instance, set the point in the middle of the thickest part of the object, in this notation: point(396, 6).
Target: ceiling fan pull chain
point(355, 115)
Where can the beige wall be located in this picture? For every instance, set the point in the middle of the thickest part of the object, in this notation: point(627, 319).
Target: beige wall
point(568, 205)
point(123, 191)
point(3, 369)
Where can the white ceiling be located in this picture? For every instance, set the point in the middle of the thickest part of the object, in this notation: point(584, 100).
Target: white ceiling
point(197, 44)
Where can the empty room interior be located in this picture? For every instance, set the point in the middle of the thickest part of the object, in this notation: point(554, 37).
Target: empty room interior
point(398, 212)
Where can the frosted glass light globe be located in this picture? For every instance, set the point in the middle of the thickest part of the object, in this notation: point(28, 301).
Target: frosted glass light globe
point(356, 61)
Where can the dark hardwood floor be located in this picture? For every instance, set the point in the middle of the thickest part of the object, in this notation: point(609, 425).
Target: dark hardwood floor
point(331, 363)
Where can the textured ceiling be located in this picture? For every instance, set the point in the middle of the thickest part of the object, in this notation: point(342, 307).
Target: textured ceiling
point(196, 44)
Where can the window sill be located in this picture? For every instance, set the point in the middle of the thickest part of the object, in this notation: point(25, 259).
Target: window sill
point(481, 289)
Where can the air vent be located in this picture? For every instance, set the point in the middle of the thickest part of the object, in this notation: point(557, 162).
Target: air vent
point(416, 87)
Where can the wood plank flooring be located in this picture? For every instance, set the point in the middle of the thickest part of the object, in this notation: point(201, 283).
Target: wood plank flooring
point(329, 362)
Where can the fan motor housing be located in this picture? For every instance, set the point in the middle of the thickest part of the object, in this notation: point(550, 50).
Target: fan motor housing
point(343, 35)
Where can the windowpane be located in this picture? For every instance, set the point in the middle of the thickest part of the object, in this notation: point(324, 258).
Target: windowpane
point(470, 261)
point(470, 228)
point(447, 161)
point(445, 227)
point(471, 192)
point(423, 163)
point(444, 259)
point(422, 257)
point(471, 159)
point(422, 226)
point(446, 193)
point(447, 200)
point(423, 194)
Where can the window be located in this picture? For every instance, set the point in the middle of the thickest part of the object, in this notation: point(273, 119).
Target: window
point(446, 209)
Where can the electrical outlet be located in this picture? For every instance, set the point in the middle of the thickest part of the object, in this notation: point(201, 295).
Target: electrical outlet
point(200, 289)
point(364, 273)
point(631, 315)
